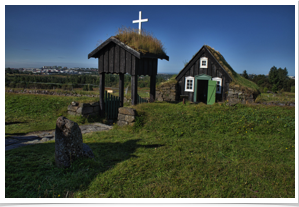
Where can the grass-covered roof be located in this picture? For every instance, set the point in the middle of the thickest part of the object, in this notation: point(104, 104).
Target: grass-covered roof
point(144, 42)
point(237, 79)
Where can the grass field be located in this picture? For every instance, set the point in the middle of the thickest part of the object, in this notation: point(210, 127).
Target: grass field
point(173, 150)
point(278, 97)
point(26, 113)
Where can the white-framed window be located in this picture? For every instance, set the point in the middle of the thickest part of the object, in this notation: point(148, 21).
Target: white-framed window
point(203, 62)
point(189, 84)
point(218, 85)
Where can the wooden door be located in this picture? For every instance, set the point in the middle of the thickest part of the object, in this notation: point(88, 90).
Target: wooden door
point(211, 92)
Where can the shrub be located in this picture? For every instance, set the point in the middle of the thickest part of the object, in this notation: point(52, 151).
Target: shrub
point(293, 89)
point(85, 88)
point(265, 90)
point(274, 88)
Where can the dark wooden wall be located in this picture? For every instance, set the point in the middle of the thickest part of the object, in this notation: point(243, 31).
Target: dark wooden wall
point(115, 59)
point(214, 70)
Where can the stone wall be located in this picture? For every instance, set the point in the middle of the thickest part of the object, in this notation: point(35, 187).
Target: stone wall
point(238, 95)
point(167, 91)
point(84, 109)
point(126, 116)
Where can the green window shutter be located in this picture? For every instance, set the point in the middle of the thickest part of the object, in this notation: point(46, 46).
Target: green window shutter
point(211, 92)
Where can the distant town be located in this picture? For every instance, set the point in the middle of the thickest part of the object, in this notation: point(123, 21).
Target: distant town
point(53, 70)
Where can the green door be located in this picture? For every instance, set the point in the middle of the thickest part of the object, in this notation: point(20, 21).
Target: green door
point(211, 92)
point(198, 88)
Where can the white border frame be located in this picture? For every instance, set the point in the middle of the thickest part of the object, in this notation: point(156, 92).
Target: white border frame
point(218, 79)
point(189, 78)
point(203, 59)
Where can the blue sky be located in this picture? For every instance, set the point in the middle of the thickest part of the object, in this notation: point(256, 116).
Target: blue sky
point(251, 38)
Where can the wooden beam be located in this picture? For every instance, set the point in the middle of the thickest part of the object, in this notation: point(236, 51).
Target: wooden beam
point(116, 59)
point(153, 81)
point(152, 88)
point(121, 90)
point(122, 66)
point(102, 93)
point(111, 59)
point(134, 89)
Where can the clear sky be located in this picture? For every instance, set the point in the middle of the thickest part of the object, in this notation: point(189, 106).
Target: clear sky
point(251, 38)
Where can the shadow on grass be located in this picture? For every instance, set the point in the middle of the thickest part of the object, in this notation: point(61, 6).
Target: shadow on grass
point(17, 134)
point(10, 123)
point(70, 180)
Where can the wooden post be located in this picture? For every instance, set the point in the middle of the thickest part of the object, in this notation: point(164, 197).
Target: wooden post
point(134, 89)
point(152, 88)
point(121, 90)
point(102, 93)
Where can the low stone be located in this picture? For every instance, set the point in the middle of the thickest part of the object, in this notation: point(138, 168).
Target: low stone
point(129, 118)
point(72, 113)
point(160, 98)
point(127, 111)
point(95, 104)
point(75, 103)
point(68, 142)
point(122, 123)
point(96, 108)
point(121, 117)
point(87, 110)
point(87, 152)
point(72, 108)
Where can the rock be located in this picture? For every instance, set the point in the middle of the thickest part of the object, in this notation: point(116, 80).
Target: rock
point(87, 152)
point(68, 142)
point(127, 111)
point(122, 123)
point(75, 103)
point(121, 117)
point(72, 107)
point(129, 118)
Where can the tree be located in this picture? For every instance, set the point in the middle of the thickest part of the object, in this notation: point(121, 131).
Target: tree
point(245, 75)
point(273, 75)
point(274, 88)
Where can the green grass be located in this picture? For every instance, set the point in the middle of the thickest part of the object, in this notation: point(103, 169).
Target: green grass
point(279, 97)
point(173, 150)
point(26, 113)
point(75, 91)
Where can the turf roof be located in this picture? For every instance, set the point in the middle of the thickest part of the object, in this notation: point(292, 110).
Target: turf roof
point(236, 78)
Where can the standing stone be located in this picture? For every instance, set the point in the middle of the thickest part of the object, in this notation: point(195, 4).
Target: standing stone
point(68, 142)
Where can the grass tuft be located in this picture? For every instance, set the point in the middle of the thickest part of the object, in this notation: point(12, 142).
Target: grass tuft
point(145, 42)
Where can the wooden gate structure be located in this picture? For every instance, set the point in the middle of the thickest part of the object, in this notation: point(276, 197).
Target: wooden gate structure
point(115, 56)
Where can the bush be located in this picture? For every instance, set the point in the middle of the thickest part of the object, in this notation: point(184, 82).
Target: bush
point(12, 85)
point(265, 90)
point(293, 89)
point(85, 88)
point(274, 88)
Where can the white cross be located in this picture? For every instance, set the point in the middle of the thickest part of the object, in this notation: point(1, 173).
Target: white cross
point(139, 21)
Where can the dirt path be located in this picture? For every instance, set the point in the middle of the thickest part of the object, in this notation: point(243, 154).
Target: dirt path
point(13, 142)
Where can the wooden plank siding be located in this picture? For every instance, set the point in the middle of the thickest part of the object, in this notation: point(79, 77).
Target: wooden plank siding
point(114, 59)
point(193, 69)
